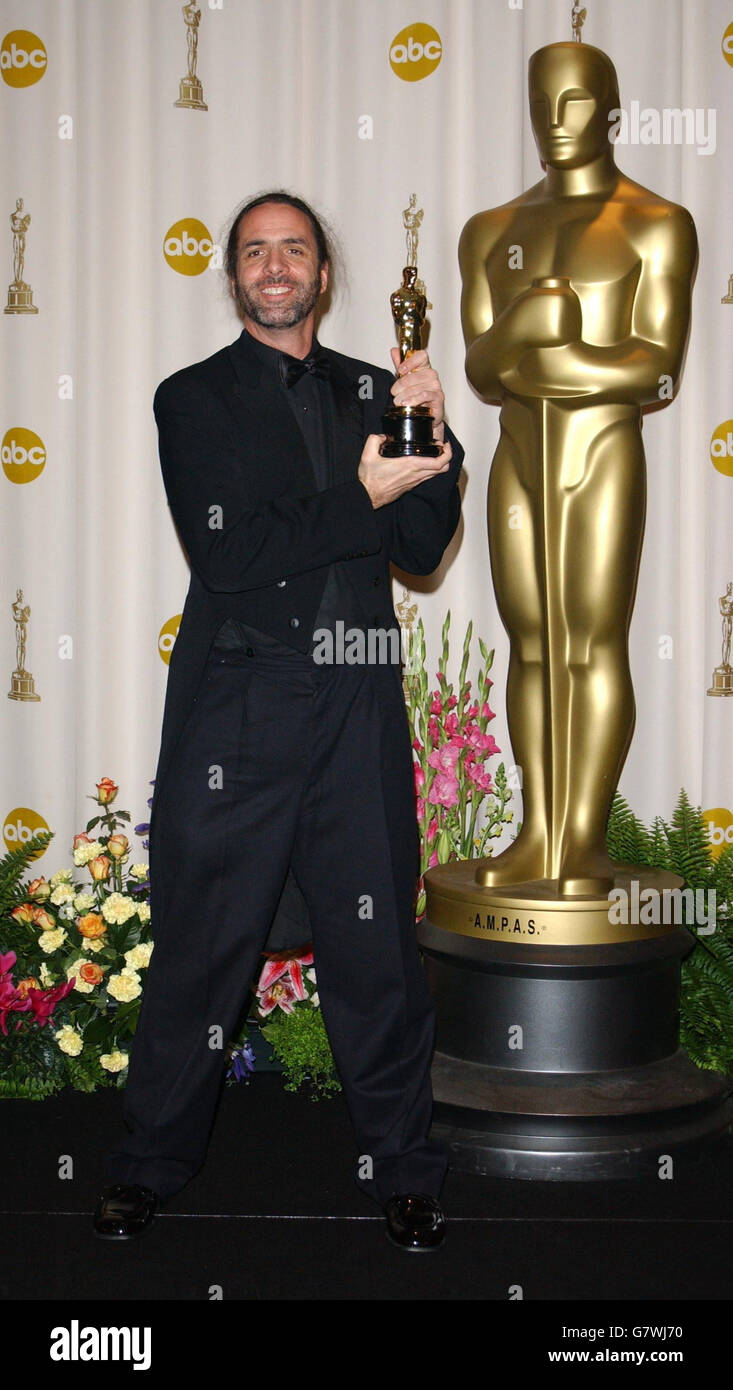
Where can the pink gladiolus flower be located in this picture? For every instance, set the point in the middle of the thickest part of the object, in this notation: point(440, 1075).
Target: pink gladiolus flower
point(432, 830)
point(433, 729)
point(417, 745)
point(419, 776)
point(485, 744)
point(444, 791)
point(436, 705)
point(433, 860)
point(480, 777)
point(472, 711)
point(486, 712)
point(420, 808)
point(451, 724)
point(451, 701)
point(444, 758)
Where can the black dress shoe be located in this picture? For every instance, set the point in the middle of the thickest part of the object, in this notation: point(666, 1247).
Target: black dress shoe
point(124, 1211)
point(415, 1221)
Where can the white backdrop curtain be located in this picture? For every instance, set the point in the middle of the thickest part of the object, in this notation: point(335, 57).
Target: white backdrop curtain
point(89, 538)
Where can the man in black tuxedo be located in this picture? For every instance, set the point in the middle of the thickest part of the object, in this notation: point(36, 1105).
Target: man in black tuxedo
point(276, 765)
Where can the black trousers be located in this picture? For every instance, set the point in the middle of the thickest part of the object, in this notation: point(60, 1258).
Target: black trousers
point(285, 763)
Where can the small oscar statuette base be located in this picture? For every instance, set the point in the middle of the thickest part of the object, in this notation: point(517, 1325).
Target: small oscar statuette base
point(20, 300)
point(22, 686)
point(410, 432)
point(557, 1048)
point(191, 94)
point(728, 298)
point(722, 681)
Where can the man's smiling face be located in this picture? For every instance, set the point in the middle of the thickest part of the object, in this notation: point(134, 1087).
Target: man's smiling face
point(279, 281)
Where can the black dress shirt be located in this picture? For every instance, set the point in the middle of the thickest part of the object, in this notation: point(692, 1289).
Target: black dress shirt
point(311, 402)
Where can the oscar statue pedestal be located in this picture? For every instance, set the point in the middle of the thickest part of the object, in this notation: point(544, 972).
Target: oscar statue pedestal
point(722, 681)
point(22, 686)
point(20, 300)
point(557, 1053)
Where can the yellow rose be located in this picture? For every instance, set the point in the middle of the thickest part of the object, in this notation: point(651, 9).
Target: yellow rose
point(22, 913)
point(118, 846)
point(106, 791)
point(43, 919)
point(99, 868)
point(114, 1061)
point(39, 890)
point(92, 925)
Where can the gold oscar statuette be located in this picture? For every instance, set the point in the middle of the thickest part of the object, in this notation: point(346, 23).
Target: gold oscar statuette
point(191, 92)
point(728, 298)
point(21, 681)
point(20, 295)
point(723, 674)
point(571, 343)
point(551, 940)
point(409, 428)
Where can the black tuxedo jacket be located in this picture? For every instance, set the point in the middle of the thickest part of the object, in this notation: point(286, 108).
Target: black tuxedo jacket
point(259, 536)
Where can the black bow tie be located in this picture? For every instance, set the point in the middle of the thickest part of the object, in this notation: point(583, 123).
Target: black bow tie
point(293, 368)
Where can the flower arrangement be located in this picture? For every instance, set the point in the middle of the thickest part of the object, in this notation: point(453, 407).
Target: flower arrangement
point(78, 952)
point(461, 803)
point(287, 996)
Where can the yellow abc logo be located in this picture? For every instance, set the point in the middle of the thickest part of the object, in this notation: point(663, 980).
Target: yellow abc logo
point(23, 455)
point(20, 827)
point(22, 58)
point(167, 637)
point(188, 246)
point(720, 829)
point(727, 44)
point(721, 448)
point(415, 52)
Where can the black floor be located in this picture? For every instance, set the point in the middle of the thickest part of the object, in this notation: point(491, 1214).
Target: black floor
point(275, 1215)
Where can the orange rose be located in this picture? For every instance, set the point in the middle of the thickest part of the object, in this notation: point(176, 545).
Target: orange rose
point(29, 983)
point(118, 846)
point(43, 919)
point(99, 868)
point(91, 974)
point(23, 912)
point(106, 791)
point(39, 890)
point(81, 839)
point(92, 925)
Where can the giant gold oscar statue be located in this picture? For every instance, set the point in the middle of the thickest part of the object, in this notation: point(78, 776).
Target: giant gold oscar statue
point(576, 313)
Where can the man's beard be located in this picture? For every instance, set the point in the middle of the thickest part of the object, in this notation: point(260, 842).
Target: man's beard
point(302, 301)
